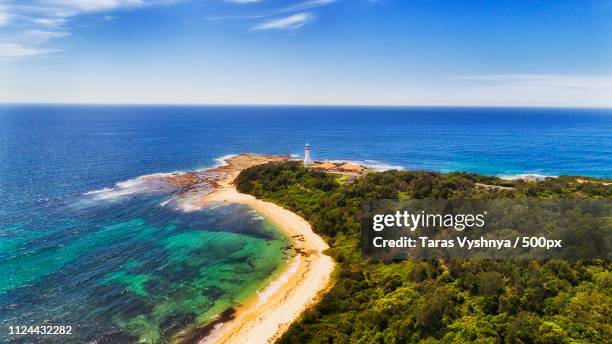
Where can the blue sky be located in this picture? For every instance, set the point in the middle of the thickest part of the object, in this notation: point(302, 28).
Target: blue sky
point(385, 52)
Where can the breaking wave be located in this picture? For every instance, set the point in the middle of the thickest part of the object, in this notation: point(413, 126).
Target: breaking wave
point(222, 160)
point(156, 183)
point(377, 166)
point(524, 176)
point(273, 287)
point(149, 183)
point(381, 166)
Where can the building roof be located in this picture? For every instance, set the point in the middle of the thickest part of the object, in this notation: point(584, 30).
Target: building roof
point(325, 166)
point(350, 167)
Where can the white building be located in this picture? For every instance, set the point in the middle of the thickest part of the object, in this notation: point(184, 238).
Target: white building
point(307, 159)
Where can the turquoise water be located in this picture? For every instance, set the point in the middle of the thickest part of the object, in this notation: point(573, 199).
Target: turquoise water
point(84, 243)
point(130, 270)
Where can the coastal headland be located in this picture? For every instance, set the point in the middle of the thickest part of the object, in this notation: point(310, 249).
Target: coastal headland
point(266, 316)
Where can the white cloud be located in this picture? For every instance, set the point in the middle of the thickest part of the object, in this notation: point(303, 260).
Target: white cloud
point(298, 7)
point(43, 36)
point(38, 22)
point(13, 50)
point(49, 21)
point(306, 5)
point(4, 17)
point(93, 5)
point(291, 22)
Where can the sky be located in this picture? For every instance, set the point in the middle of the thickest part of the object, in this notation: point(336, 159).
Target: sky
point(308, 52)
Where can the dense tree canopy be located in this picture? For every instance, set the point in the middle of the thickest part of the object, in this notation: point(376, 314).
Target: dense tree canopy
point(456, 301)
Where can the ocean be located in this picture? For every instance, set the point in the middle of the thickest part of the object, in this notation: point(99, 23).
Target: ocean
point(84, 243)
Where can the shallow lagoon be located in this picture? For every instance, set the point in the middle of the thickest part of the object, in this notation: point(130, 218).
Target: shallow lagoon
point(131, 269)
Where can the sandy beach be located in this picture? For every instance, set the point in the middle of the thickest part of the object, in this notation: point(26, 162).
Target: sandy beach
point(266, 316)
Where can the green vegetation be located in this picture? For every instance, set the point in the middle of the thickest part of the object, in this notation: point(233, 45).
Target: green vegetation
point(459, 301)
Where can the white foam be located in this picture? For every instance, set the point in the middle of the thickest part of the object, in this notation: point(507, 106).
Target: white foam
point(214, 335)
point(273, 287)
point(373, 164)
point(222, 160)
point(149, 183)
point(189, 207)
point(101, 191)
point(188, 203)
point(218, 162)
point(192, 202)
point(255, 216)
point(524, 176)
point(381, 166)
point(143, 184)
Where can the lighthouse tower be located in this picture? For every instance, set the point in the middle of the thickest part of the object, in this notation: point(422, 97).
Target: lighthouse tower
point(307, 160)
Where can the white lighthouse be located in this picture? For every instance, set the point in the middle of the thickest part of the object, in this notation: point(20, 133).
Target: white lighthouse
point(307, 160)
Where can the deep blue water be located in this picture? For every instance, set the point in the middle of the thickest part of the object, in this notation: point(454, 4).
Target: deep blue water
point(64, 253)
point(51, 151)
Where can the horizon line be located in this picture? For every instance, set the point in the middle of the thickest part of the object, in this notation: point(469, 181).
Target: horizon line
point(339, 105)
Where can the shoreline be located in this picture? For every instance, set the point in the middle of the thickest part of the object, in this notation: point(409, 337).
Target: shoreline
point(264, 317)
